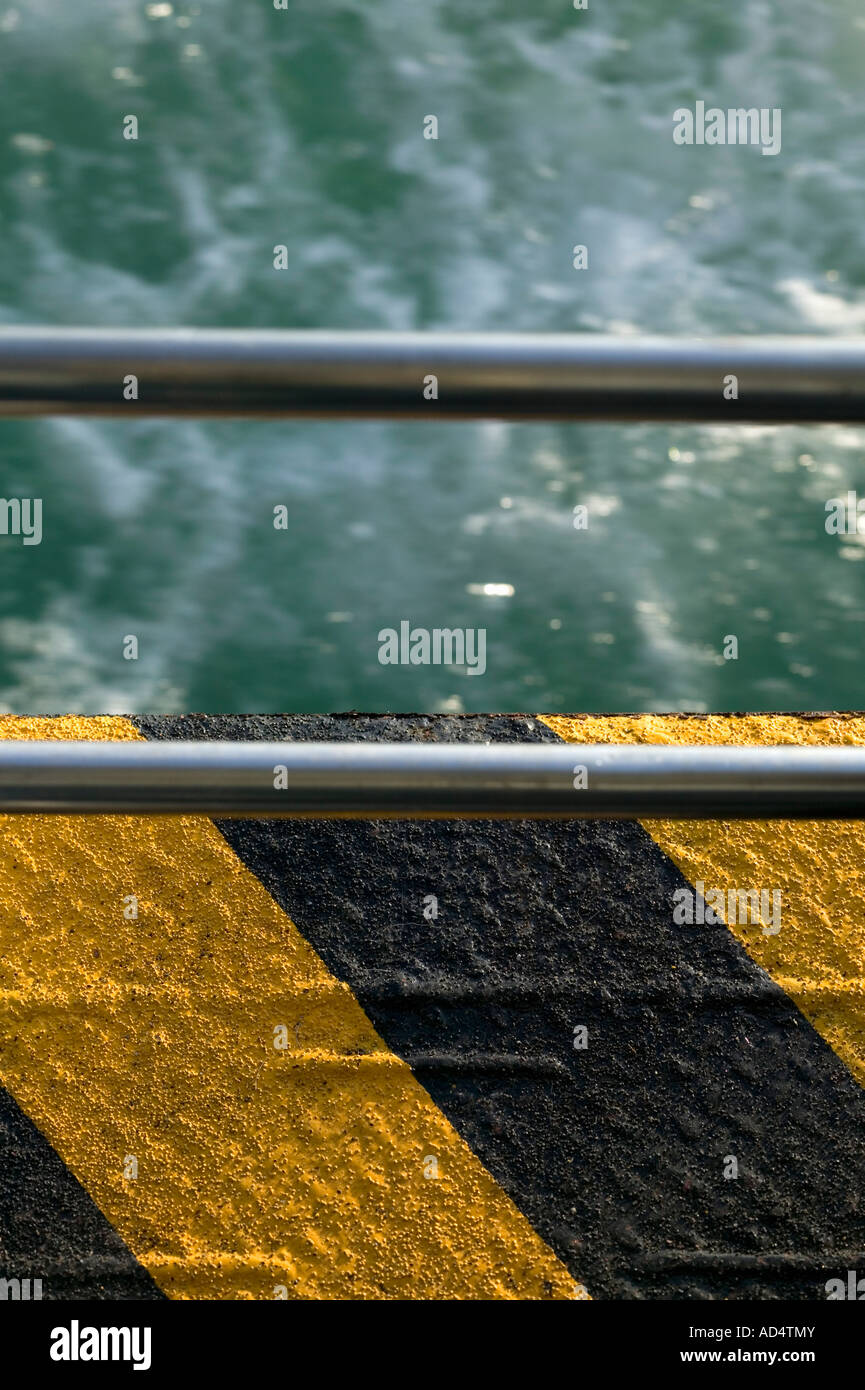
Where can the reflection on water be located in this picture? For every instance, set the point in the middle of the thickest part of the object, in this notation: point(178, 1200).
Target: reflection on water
point(304, 128)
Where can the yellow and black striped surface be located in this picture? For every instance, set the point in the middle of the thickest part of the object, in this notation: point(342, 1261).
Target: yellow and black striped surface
point(340, 1056)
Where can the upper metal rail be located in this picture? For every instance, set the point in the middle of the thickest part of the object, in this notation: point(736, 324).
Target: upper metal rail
point(63, 371)
point(407, 780)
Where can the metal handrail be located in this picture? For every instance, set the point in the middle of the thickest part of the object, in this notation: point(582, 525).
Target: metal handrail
point(428, 376)
point(408, 780)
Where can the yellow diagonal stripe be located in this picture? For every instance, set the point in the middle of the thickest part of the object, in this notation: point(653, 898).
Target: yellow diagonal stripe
point(818, 957)
point(151, 1041)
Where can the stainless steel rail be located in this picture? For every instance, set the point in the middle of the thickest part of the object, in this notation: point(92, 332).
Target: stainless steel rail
point(372, 780)
point(59, 371)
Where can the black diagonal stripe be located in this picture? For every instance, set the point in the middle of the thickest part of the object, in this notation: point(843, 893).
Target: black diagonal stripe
point(615, 1154)
point(50, 1229)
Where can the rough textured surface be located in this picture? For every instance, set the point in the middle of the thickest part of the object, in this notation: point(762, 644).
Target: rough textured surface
point(303, 1170)
point(616, 1154)
point(50, 1229)
point(818, 957)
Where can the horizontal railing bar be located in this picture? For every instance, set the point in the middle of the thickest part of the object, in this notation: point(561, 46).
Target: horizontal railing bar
point(428, 376)
point(373, 780)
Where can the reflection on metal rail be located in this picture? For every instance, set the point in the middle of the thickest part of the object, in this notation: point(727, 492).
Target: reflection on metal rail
point(59, 371)
point(371, 780)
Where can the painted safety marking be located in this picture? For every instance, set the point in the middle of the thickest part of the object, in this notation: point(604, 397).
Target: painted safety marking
point(651, 1100)
point(54, 1240)
point(146, 977)
point(818, 955)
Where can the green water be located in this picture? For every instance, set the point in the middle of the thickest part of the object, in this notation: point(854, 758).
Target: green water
point(304, 127)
